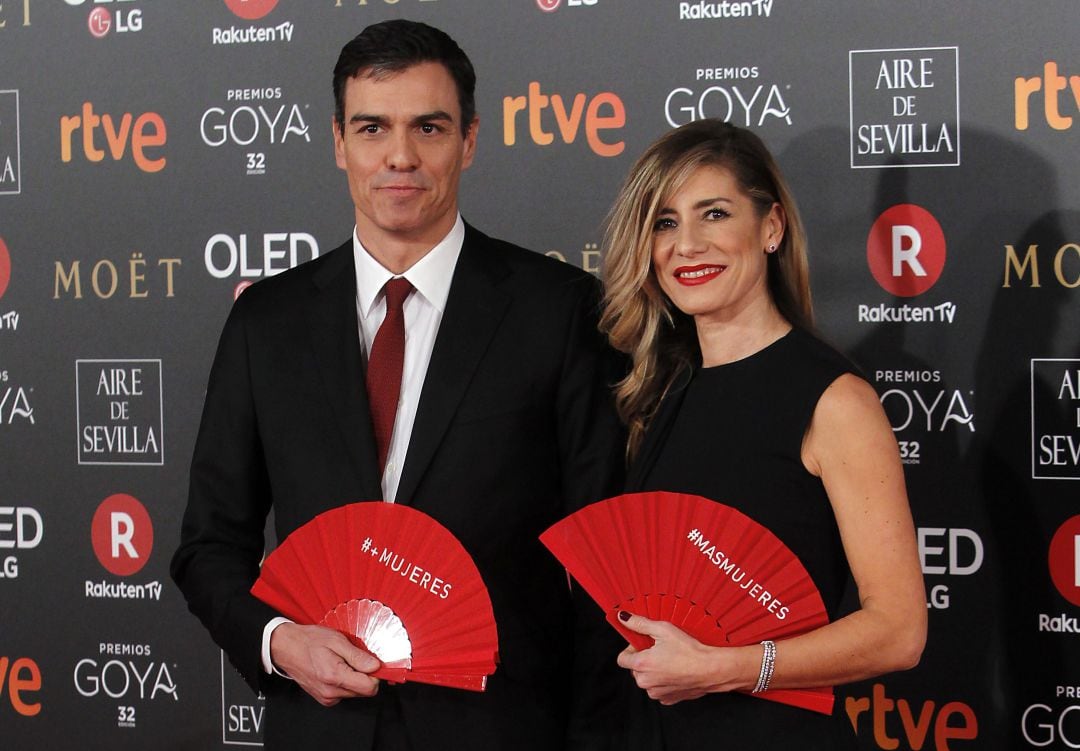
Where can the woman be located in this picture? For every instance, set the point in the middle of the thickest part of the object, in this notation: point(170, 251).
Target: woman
point(731, 397)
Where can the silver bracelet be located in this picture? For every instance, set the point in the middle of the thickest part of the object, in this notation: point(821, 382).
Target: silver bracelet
point(768, 662)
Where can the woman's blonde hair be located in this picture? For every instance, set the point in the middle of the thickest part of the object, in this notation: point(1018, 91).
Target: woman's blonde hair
point(638, 318)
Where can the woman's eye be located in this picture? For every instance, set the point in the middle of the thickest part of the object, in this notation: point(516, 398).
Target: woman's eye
point(663, 224)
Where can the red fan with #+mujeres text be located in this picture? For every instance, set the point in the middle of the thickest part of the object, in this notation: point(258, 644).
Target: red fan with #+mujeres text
point(397, 583)
point(701, 565)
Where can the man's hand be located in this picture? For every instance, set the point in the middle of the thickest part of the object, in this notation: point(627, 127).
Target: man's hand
point(325, 663)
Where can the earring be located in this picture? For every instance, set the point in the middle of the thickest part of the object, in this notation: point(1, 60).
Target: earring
point(772, 248)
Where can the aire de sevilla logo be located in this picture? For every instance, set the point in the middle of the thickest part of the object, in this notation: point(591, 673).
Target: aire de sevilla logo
point(122, 534)
point(251, 9)
point(906, 250)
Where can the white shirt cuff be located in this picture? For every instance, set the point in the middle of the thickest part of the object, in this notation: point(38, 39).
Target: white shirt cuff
point(267, 663)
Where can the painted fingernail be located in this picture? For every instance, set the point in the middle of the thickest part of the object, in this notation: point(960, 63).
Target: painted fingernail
point(624, 616)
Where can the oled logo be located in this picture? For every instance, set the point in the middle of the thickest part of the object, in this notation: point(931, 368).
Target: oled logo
point(893, 722)
point(1057, 91)
point(1055, 419)
point(21, 528)
point(251, 10)
point(906, 250)
point(597, 115)
point(228, 257)
point(732, 93)
point(23, 677)
point(10, 150)
point(120, 413)
point(904, 107)
point(948, 552)
point(143, 133)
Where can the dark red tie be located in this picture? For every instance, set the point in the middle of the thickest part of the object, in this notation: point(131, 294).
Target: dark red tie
point(384, 365)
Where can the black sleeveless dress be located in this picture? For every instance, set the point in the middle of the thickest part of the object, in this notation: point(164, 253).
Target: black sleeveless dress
point(733, 433)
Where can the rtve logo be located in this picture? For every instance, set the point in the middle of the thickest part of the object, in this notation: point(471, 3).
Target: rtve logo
point(906, 250)
point(21, 675)
point(603, 112)
point(122, 534)
point(147, 131)
point(1052, 84)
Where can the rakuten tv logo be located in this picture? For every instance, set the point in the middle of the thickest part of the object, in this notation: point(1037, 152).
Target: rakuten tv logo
point(122, 534)
point(251, 9)
point(906, 250)
point(1064, 560)
point(597, 115)
point(144, 134)
point(5, 267)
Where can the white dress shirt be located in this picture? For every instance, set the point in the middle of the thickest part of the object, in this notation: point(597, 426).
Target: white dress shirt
point(430, 278)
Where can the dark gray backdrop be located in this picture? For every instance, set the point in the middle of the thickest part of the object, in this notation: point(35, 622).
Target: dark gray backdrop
point(110, 301)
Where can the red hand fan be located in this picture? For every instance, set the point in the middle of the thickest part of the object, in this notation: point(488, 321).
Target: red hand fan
point(397, 583)
point(705, 567)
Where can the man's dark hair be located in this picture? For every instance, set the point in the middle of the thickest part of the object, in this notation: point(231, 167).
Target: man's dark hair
point(383, 49)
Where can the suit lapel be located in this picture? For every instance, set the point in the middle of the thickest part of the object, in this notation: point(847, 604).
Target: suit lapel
point(335, 342)
point(474, 310)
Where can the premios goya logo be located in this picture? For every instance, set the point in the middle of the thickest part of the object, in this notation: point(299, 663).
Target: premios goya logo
point(10, 147)
point(904, 107)
point(119, 405)
point(735, 93)
point(1054, 725)
point(919, 405)
point(16, 408)
point(125, 676)
point(1055, 419)
point(600, 117)
point(253, 122)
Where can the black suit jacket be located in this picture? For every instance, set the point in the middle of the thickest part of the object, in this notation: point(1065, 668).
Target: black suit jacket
point(514, 429)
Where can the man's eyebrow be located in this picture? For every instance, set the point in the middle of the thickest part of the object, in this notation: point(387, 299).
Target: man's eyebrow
point(424, 117)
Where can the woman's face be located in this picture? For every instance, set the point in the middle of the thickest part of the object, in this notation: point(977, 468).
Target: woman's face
point(709, 247)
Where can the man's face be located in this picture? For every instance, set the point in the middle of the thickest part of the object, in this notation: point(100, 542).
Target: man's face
point(403, 151)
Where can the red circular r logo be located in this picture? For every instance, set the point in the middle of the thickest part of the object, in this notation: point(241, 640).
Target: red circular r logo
point(122, 534)
point(906, 250)
point(1064, 560)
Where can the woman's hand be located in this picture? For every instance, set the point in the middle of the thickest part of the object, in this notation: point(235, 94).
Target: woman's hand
point(679, 667)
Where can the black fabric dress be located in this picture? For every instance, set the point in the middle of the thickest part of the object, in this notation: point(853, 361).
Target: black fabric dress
point(733, 433)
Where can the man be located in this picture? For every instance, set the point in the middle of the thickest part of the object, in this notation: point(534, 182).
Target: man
point(503, 424)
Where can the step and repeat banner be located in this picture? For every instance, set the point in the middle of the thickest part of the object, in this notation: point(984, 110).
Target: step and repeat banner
point(158, 156)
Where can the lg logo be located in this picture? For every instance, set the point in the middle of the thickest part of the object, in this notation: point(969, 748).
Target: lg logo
point(906, 250)
point(552, 5)
point(122, 534)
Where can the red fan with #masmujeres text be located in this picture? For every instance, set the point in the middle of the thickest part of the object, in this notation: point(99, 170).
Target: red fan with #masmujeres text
point(701, 565)
point(397, 583)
